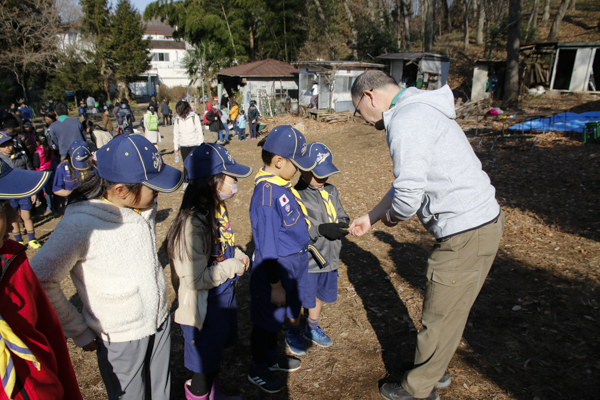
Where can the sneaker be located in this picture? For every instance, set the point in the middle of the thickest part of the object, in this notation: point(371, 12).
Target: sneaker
point(444, 381)
point(318, 336)
point(265, 380)
point(34, 244)
point(394, 391)
point(295, 342)
point(286, 364)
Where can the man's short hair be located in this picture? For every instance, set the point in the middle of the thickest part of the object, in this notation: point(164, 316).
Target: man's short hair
point(370, 80)
point(61, 109)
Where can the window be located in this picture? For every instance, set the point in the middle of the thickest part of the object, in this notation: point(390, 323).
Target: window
point(343, 83)
point(160, 56)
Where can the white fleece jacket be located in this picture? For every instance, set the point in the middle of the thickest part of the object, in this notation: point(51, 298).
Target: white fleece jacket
point(187, 131)
point(110, 253)
point(438, 175)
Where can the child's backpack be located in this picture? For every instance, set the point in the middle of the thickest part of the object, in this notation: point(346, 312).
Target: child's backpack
point(152, 122)
point(123, 117)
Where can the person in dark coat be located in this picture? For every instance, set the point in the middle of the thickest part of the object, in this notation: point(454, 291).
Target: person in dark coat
point(215, 123)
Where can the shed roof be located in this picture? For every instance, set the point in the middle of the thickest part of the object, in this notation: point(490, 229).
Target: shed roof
point(265, 68)
point(338, 64)
point(412, 56)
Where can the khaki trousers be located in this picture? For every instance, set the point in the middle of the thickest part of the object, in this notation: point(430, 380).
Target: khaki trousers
point(456, 271)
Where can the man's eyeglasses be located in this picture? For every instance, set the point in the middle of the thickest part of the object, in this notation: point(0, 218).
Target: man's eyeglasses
point(356, 108)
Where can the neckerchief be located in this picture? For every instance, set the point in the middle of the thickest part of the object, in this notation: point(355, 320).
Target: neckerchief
point(226, 236)
point(263, 176)
point(11, 345)
point(331, 213)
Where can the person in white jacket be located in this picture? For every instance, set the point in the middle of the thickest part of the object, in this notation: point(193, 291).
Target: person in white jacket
point(207, 264)
point(187, 131)
point(106, 242)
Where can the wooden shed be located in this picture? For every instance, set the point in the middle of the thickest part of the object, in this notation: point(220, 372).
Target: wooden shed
point(576, 67)
point(423, 70)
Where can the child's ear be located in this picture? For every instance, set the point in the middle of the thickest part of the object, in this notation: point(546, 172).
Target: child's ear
point(120, 190)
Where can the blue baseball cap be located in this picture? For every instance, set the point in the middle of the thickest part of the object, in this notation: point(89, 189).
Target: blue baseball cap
point(80, 153)
point(20, 183)
point(287, 142)
point(131, 158)
point(324, 160)
point(4, 137)
point(211, 159)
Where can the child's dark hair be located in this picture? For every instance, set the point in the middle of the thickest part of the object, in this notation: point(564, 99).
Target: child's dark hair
point(43, 141)
point(266, 156)
point(203, 192)
point(182, 108)
point(94, 187)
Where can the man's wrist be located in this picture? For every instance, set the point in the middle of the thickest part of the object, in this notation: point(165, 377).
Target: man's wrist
point(390, 217)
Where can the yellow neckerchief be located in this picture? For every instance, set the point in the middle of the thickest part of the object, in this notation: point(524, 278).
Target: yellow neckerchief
point(263, 176)
point(331, 214)
point(137, 210)
point(226, 236)
point(11, 345)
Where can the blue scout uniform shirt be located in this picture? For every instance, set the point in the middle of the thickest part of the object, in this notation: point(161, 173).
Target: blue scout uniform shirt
point(63, 178)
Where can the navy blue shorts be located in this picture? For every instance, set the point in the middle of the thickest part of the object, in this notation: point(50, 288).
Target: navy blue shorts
point(293, 279)
point(203, 349)
point(323, 285)
point(23, 203)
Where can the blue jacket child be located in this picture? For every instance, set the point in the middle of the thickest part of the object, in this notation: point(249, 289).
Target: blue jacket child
point(280, 261)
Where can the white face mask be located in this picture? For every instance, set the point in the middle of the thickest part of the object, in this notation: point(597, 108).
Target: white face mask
point(225, 196)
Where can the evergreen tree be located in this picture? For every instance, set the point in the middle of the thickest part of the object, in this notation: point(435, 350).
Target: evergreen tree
point(130, 52)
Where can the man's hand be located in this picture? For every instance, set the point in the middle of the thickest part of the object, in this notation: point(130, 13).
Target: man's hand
point(277, 294)
point(333, 230)
point(360, 226)
point(91, 346)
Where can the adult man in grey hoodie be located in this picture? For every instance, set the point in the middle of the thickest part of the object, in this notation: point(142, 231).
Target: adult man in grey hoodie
point(439, 178)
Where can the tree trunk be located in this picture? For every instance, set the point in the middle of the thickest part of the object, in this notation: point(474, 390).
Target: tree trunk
point(252, 51)
point(447, 16)
point(532, 23)
point(399, 24)
point(562, 10)
point(466, 22)
point(429, 26)
point(405, 14)
point(325, 29)
point(21, 81)
point(511, 79)
point(371, 10)
point(546, 15)
point(354, 37)
point(480, 23)
point(572, 6)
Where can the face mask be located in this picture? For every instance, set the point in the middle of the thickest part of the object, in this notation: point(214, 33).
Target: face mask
point(225, 196)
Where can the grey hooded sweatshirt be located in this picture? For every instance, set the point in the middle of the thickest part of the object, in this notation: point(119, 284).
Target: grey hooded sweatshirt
point(438, 175)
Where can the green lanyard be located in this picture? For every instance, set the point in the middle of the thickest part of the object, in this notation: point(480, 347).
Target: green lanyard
point(396, 98)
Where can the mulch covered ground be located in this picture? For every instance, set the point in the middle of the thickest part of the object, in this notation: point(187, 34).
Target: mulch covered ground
point(534, 330)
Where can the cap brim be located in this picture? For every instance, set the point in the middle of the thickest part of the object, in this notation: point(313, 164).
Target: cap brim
point(326, 171)
point(238, 171)
point(168, 181)
point(20, 183)
point(304, 163)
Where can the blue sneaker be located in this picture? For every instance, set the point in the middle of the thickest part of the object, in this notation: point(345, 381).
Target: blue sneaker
point(295, 342)
point(318, 336)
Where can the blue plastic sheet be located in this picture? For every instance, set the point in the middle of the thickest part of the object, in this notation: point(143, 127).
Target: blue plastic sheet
point(568, 122)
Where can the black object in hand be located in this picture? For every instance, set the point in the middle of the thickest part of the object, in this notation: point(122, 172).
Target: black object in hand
point(333, 230)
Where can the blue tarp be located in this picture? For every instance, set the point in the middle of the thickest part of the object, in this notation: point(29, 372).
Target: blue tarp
point(571, 122)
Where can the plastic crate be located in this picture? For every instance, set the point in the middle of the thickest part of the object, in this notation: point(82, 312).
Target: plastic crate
point(591, 132)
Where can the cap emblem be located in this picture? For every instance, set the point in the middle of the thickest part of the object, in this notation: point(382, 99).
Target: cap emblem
point(303, 152)
point(157, 161)
point(322, 157)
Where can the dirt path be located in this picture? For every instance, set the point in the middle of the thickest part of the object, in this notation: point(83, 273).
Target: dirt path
point(532, 333)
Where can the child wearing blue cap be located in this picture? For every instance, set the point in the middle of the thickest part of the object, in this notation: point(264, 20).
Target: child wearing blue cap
point(201, 247)
point(19, 160)
point(280, 261)
point(329, 224)
point(106, 242)
point(38, 363)
point(72, 170)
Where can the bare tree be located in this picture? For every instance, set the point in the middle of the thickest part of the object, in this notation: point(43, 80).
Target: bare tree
point(429, 25)
point(481, 22)
point(353, 31)
point(532, 22)
point(562, 10)
point(406, 13)
point(447, 15)
point(511, 80)
point(68, 10)
point(28, 38)
point(371, 10)
point(466, 21)
point(325, 29)
point(572, 5)
point(546, 15)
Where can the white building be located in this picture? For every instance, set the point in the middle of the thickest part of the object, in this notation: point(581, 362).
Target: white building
point(166, 62)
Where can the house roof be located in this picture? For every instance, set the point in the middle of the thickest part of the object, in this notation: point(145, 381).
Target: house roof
point(338, 64)
point(412, 56)
point(264, 68)
point(155, 27)
point(167, 45)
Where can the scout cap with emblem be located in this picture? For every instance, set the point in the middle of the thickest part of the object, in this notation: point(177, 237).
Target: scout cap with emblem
point(4, 137)
point(288, 142)
point(131, 158)
point(20, 183)
point(211, 159)
point(80, 153)
point(324, 160)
